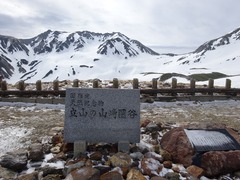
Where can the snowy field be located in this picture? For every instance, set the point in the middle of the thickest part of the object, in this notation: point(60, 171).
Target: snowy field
point(22, 124)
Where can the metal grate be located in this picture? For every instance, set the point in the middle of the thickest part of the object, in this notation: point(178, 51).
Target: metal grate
point(211, 140)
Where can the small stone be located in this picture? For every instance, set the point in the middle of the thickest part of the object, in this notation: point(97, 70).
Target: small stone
point(111, 175)
point(136, 156)
point(135, 175)
point(97, 156)
point(195, 171)
point(103, 169)
point(166, 155)
point(151, 166)
point(172, 176)
point(167, 164)
point(52, 177)
point(36, 152)
point(16, 161)
point(69, 168)
point(84, 173)
point(121, 160)
point(152, 127)
point(55, 150)
point(7, 173)
point(145, 123)
point(31, 176)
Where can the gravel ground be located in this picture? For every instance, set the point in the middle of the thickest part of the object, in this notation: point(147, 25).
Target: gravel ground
point(22, 124)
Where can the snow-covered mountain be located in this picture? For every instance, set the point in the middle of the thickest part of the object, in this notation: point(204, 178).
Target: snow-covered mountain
point(87, 55)
point(50, 53)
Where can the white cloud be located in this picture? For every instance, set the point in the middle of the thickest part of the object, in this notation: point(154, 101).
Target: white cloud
point(162, 22)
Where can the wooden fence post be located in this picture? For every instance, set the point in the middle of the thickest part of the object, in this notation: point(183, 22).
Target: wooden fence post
point(39, 85)
point(115, 83)
point(210, 85)
point(21, 85)
point(95, 83)
point(4, 86)
point(154, 83)
point(228, 85)
point(193, 86)
point(75, 83)
point(55, 85)
point(135, 83)
point(174, 85)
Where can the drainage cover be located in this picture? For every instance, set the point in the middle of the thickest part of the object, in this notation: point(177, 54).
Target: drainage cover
point(211, 140)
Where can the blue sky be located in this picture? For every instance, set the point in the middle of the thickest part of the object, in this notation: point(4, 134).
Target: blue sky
point(153, 22)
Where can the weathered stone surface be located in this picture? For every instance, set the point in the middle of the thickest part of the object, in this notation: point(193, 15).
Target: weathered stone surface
point(51, 177)
point(151, 127)
point(158, 178)
point(96, 156)
point(36, 152)
point(15, 161)
point(7, 173)
point(220, 162)
point(83, 173)
point(32, 176)
point(167, 164)
point(195, 171)
point(177, 144)
point(121, 160)
point(136, 156)
point(135, 174)
point(151, 166)
point(112, 175)
point(94, 115)
point(172, 176)
point(69, 168)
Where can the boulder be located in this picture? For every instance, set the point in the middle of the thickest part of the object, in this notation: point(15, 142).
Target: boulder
point(177, 144)
point(36, 152)
point(16, 161)
point(135, 174)
point(111, 175)
point(121, 160)
point(84, 173)
point(220, 162)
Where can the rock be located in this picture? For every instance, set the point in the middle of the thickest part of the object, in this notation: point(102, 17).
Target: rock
point(195, 171)
point(15, 161)
point(32, 176)
point(152, 127)
point(103, 169)
point(145, 123)
point(50, 170)
point(158, 178)
point(134, 174)
point(7, 173)
point(87, 173)
point(172, 176)
point(220, 162)
point(69, 168)
point(97, 156)
point(177, 144)
point(167, 164)
point(121, 160)
point(55, 150)
point(151, 166)
point(165, 155)
point(56, 139)
point(136, 156)
point(36, 152)
point(52, 177)
point(154, 156)
point(112, 175)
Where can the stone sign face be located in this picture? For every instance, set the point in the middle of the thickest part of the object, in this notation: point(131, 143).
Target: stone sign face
point(102, 115)
point(211, 140)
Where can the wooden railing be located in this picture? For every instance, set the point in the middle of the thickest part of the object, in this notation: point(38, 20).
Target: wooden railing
point(174, 91)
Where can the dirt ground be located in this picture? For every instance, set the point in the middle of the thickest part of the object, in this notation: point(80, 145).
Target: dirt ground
point(37, 120)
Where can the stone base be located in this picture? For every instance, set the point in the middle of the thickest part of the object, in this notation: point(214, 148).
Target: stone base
point(79, 147)
point(123, 146)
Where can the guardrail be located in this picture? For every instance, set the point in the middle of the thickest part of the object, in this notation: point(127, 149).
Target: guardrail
point(174, 92)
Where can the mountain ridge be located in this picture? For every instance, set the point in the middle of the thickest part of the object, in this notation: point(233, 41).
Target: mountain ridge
point(84, 55)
